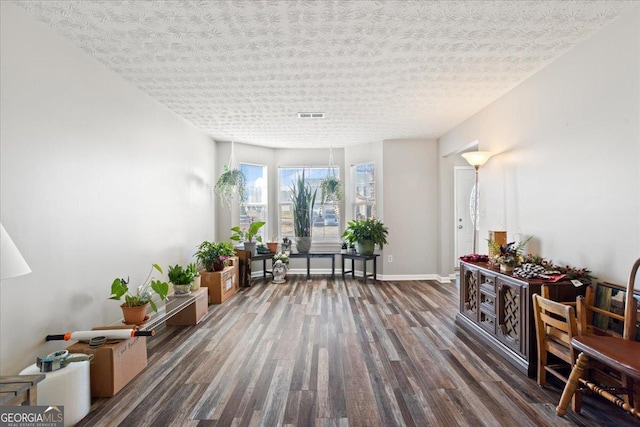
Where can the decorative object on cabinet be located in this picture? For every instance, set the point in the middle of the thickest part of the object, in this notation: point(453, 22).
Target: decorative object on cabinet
point(507, 256)
point(498, 309)
point(476, 159)
point(366, 233)
point(303, 202)
point(134, 307)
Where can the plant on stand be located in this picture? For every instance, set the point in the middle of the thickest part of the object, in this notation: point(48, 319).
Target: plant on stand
point(214, 256)
point(366, 233)
point(193, 268)
point(248, 235)
point(134, 307)
point(181, 279)
point(304, 201)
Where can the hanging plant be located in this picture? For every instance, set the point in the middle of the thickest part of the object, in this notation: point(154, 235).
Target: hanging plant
point(331, 189)
point(231, 183)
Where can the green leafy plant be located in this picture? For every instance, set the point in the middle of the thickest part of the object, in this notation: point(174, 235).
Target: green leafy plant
point(360, 230)
point(143, 294)
point(330, 189)
point(193, 269)
point(303, 202)
point(281, 257)
point(247, 235)
point(210, 253)
point(179, 275)
point(509, 254)
point(230, 184)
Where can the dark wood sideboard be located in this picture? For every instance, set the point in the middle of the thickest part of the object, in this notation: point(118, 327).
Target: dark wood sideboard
point(498, 309)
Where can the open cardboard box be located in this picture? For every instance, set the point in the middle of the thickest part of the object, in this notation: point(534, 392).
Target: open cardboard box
point(115, 363)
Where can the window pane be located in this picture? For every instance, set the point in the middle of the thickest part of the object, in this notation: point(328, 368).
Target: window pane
point(364, 191)
point(255, 206)
point(325, 218)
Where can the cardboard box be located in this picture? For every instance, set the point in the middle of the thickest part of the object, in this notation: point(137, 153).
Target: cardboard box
point(114, 364)
point(194, 312)
point(221, 284)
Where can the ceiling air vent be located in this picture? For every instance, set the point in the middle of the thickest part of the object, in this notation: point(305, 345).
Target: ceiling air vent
point(311, 115)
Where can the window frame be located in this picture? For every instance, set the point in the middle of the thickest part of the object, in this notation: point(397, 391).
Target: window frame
point(370, 205)
point(264, 231)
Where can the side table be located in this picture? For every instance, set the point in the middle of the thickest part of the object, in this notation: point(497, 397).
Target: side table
point(364, 259)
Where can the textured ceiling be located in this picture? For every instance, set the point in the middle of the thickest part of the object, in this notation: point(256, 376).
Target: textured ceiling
point(378, 69)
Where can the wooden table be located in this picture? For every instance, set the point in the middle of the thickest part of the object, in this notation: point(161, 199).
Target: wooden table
point(364, 259)
point(19, 390)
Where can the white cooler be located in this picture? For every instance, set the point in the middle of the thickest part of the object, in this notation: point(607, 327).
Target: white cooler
point(68, 387)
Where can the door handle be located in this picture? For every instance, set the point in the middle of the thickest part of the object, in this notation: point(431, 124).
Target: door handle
point(460, 227)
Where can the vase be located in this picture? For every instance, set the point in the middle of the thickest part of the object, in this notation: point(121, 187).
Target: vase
point(365, 247)
point(303, 244)
point(506, 268)
point(134, 315)
point(273, 247)
point(251, 247)
point(218, 266)
point(182, 290)
point(195, 285)
point(279, 271)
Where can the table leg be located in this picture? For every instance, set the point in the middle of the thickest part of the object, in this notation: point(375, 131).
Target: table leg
point(333, 266)
point(353, 270)
point(375, 268)
point(308, 267)
point(342, 268)
point(264, 268)
point(572, 384)
point(364, 272)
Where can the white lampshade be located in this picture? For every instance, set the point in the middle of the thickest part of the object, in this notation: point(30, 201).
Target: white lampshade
point(12, 264)
point(477, 158)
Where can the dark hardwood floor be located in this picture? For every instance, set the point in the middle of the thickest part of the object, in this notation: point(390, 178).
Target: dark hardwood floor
point(335, 353)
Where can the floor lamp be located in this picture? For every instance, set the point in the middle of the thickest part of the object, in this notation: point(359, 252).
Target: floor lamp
point(476, 159)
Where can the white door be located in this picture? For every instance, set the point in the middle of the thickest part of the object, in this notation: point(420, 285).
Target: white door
point(464, 181)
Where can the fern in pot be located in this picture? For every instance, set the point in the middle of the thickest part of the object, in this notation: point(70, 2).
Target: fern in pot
point(366, 233)
point(231, 183)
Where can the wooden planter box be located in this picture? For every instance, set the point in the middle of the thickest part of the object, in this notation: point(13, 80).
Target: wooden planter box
point(221, 284)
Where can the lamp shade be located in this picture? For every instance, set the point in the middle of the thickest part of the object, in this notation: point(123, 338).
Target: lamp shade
point(477, 158)
point(12, 264)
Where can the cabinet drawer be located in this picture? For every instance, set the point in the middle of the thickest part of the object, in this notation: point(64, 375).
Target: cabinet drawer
point(487, 321)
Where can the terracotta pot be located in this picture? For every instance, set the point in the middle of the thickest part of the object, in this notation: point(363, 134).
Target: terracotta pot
point(273, 247)
point(134, 315)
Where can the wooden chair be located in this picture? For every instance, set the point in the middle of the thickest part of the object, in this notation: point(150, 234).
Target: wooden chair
point(621, 354)
point(555, 327)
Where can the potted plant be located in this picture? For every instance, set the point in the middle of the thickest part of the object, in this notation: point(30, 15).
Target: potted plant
point(303, 202)
point(366, 233)
point(247, 236)
point(330, 189)
point(214, 256)
point(181, 279)
point(134, 307)
point(193, 268)
point(231, 183)
point(507, 256)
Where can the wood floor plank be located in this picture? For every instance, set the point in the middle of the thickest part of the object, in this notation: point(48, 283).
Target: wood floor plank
point(339, 353)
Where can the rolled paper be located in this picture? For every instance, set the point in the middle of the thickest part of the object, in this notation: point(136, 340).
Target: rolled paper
point(111, 334)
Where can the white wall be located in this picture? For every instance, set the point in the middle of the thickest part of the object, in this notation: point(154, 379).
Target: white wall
point(410, 190)
point(567, 168)
point(97, 181)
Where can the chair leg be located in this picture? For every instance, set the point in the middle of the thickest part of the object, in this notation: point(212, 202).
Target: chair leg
point(572, 384)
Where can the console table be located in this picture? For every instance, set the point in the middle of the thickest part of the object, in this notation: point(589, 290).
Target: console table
point(364, 259)
point(498, 309)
